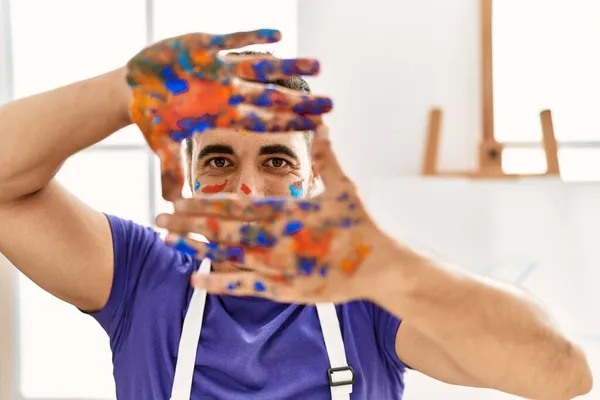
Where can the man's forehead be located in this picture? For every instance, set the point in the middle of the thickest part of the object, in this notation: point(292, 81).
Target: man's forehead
point(242, 138)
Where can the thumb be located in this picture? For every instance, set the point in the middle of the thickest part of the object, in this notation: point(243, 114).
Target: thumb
point(325, 161)
point(171, 170)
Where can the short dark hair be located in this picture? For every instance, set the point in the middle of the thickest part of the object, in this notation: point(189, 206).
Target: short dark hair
point(293, 82)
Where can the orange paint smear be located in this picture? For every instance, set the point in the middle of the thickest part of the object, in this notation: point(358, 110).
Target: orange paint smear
point(308, 245)
point(201, 98)
point(349, 266)
point(213, 225)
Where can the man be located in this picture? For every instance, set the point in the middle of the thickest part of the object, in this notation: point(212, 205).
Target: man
point(467, 333)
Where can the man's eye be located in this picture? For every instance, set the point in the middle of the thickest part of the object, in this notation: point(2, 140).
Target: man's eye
point(219, 162)
point(277, 162)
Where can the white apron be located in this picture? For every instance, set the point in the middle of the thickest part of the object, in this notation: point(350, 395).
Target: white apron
point(341, 376)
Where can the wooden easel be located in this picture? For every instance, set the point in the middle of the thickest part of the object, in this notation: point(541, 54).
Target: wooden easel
point(490, 151)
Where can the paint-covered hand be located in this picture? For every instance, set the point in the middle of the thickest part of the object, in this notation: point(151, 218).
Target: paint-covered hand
point(325, 248)
point(182, 86)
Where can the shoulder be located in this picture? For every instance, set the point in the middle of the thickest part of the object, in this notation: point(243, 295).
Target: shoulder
point(143, 262)
point(362, 311)
point(139, 246)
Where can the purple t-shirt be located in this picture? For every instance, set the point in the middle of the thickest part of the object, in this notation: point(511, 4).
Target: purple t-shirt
point(249, 348)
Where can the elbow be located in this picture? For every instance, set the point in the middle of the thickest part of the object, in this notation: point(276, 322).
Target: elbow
point(570, 379)
point(17, 187)
point(582, 379)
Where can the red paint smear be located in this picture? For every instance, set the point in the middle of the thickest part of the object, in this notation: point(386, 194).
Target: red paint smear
point(213, 225)
point(214, 188)
point(246, 189)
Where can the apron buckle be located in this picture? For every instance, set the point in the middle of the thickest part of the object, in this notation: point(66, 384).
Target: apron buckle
point(340, 376)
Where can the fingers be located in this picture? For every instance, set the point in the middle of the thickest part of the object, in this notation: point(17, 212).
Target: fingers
point(230, 232)
point(215, 230)
point(283, 98)
point(325, 161)
point(242, 39)
point(228, 266)
point(240, 284)
point(307, 290)
point(259, 120)
point(233, 207)
point(200, 250)
point(268, 68)
point(171, 167)
point(226, 258)
point(248, 210)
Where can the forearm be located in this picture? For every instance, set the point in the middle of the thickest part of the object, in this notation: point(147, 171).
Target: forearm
point(38, 133)
point(496, 333)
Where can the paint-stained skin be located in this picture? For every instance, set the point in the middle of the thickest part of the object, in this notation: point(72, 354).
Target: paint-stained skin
point(296, 189)
point(246, 189)
point(312, 246)
point(182, 86)
point(212, 189)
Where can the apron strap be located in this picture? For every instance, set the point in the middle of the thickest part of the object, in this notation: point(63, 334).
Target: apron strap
point(340, 375)
point(188, 344)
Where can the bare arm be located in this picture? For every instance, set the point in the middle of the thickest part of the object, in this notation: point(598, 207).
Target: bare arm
point(469, 331)
point(47, 233)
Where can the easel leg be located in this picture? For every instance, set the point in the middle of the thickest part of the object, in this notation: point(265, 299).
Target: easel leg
point(550, 145)
point(432, 143)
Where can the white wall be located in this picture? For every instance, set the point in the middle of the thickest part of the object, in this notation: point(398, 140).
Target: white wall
point(5, 77)
point(6, 272)
point(541, 234)
point(386, 63)
point(7, 354)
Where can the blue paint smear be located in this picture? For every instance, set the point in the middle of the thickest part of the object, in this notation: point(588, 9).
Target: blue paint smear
point(259, 286)
point(313, 107)
point(235, 254)
point(183, 247)
point(277, 205)
point(172, 82)
point(217, 40)
point(186, 62)
point(269, 34)
point(346, 223)
point(293, 227)
point(306, 265)
point(236, 99)
point(262, 69)
point(264, 239)
point(191, 126)
point(343, 197)
point(264, 99)
point(295, 192)
point(301, 123)
point(213, 252)
point(254, 123)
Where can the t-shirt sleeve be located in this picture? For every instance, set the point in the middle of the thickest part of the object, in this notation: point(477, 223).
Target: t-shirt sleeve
point(386, 328)
point(142, 262)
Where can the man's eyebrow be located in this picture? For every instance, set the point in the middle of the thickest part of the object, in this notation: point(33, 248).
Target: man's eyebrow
point(215, 149)
point(272, 149)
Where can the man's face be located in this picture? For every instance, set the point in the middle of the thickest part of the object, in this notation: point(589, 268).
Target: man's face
point(260, 165)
